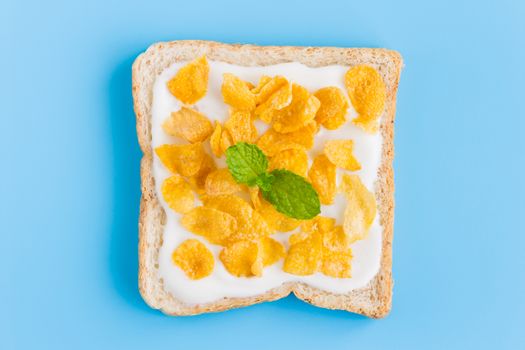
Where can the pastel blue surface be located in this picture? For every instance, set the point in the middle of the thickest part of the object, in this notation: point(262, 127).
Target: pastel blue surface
point(70, 179)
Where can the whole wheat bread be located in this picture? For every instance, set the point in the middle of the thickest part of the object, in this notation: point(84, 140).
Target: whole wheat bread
point(373, 300)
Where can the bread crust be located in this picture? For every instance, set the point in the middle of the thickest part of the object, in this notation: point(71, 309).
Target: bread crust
point(373, 300)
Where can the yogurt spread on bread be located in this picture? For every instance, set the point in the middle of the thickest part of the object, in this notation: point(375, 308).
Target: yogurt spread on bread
point(197, 267)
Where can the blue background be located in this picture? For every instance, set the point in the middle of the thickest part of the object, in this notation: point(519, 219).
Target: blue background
point(70, 176)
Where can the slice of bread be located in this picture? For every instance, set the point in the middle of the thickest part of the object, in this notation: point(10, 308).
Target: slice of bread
point(374, 299)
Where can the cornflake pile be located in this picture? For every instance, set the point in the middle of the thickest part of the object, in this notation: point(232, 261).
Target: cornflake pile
point(244, 228)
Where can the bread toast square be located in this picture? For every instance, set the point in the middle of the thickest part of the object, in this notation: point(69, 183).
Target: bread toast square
point(374, 299)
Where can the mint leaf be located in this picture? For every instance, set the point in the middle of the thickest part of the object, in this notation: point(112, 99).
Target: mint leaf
point(292, 195)
point(288, 192)
point(246, 162)
point(264, 181)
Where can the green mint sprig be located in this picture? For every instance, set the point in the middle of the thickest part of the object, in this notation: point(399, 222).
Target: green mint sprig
point(288, 192)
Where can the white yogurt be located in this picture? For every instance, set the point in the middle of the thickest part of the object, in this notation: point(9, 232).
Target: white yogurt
point(367, 149)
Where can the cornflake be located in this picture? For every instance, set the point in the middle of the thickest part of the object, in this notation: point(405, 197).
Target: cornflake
point(236, 93)
point(360, 208)
point(271, 251)
point(318, 224)
point(221, 139)
point(319, 247)
point(339, 152)
point(248, 258)
point(298, 113)
point(255, 197)
point(332, 112)
point(272, 95)
point(249, 85)
point(226, 140)
point(194, 258)
point(241, 128)
point(188, 124)
point(198, 180)
point(242, 259)
point(337, 264)
point(214, 225)
point(322, 175)
point(178, 194)
point(262, 82)
point(367, 91)
point(293, 159)
point(259, 227)
point(215, 140)
point(191, 81)
point(305, 255)
point(220, 182)
point(272, 142)
point(250, 224)
point(183, 159)
point(335, 239)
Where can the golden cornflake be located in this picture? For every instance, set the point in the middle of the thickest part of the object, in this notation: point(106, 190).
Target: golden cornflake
point(367, 92)
point(339, 152)
point(226, 140)
point(272, 142)
point(183, 159)
point(237, 93)
point(255, 197)
point(320, 224)
point(299, 237)
point(262, 82)
point(267, 87)
point(298, 113)
point(241, 128)
point(332, 112)
point(259, 228)
point(360, 208)
point(221, 139)
point(271, 251)
point(294, 159)
point(248, 258)
point(242, 259)
point(194, 258)
point(178, 194)
point(322, 175)
point(277, 221)
point(272, 95)
point(336, 239)
point(233, 205)
point(198, 180)
point(191, 81)
point(337, 264)
point(305, 255)
point(250, 224)
point(221, 182)
point(215, 225)
point(337, 255)
point(320, 246)
point(188, 124)
point(215, 140)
